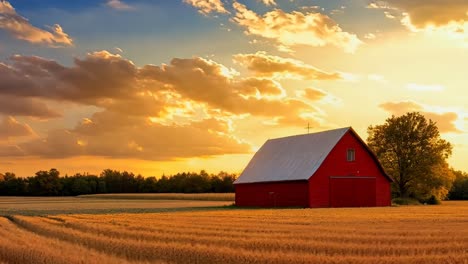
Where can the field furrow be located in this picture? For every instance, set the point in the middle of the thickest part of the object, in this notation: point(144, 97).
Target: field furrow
point(411, 235)
point(196, 253)
point(307, 243)
point(20, 246)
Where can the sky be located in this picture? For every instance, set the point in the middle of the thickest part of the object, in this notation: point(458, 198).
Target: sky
point(159, 87)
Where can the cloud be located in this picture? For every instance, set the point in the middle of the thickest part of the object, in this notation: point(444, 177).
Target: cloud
point(445, 119)
point(206, 7)
point(268, 2)
point(93, 80)
point(108, 134)
point(21, 28)
point(370, 36)
point(11, 128)
point(314, 94)
point(424, 87)
point(208, 82)
point(20, 106)
point(451, 15)
point(261, 87)
point(177, 110)
point(295, 28)
point(273, 66)
point(119, 5)
point(107, 80)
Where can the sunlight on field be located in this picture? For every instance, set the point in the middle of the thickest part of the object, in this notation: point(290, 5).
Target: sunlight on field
point(413, 234)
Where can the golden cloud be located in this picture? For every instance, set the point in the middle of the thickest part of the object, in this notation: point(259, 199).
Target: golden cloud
point(209, 82)
point(206, 7)
point(109, 134)
point(11, 128)
point(273, 66)
point(295, 28)
point(176, 110)
point(445, 120)
point(314, 94)
point(21, 28)
point(110, 81)
point(427, 14)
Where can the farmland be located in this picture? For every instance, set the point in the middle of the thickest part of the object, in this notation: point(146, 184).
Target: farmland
point(108, 204)
point(411, 234)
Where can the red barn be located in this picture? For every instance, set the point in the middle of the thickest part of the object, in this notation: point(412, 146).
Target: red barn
point(333, 168)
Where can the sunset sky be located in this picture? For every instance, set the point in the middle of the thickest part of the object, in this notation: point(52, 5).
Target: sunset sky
point(159, 87)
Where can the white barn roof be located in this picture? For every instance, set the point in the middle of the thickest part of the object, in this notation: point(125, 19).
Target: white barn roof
point(291, 158)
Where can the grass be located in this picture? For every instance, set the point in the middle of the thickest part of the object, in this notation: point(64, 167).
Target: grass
point(165, 196)
point(406, 234)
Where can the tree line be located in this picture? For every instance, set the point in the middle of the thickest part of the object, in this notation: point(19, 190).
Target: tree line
point(50, 183)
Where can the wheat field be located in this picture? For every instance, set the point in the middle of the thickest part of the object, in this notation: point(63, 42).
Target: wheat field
point(410, 234)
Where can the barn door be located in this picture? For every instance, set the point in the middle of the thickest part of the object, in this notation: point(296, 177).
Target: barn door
point(352, 191)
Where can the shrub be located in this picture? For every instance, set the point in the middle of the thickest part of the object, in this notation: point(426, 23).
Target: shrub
point(432, 200)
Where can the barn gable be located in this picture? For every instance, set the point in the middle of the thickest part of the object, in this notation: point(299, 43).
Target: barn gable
point(295, 158)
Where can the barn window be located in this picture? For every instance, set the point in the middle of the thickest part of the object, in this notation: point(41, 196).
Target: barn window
point(351, 155)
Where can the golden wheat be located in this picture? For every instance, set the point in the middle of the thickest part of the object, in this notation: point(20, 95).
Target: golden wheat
point(414, 234)
point(20, 246)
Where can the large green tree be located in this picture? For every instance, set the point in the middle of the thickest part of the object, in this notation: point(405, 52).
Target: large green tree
point(412, 152)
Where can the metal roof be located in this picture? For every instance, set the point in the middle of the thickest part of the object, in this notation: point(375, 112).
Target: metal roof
point(291, 158)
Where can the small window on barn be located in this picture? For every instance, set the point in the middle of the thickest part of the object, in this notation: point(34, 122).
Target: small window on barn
point(351, 155)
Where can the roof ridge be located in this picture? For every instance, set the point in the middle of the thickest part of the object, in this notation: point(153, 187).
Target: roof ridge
point(314, 133)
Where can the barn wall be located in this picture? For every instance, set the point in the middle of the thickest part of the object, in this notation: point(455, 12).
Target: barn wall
point(277, 194)
point(336, 164)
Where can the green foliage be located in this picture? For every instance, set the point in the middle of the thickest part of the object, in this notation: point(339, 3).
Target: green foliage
point(459, 189)
point(405, 201)
point(412, 152)
point(48, 183)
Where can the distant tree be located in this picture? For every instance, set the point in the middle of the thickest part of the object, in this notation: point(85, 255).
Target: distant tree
point(49, 183)
point(149, 185)
point(45, 183)
point(223, 182)
point(81, 186)
point(412, 152)
point(11, 185)
point(113, 180)
point(459, 189)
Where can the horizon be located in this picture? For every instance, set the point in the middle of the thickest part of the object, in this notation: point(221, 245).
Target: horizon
point(162, 87)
